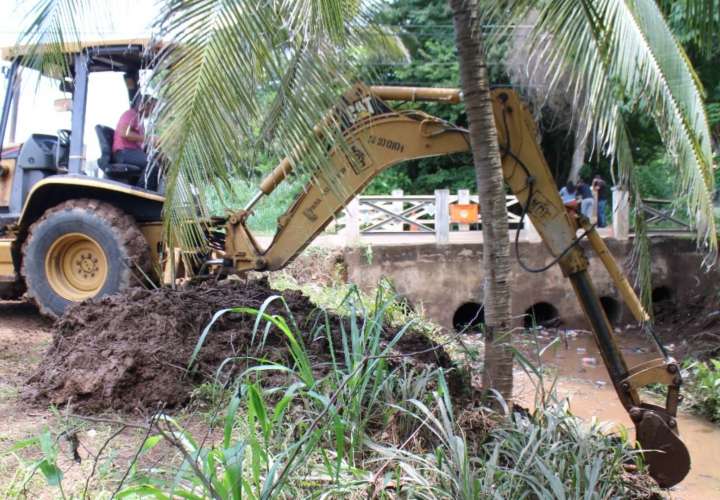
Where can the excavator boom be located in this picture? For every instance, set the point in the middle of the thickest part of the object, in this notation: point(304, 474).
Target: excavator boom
point(377, 137)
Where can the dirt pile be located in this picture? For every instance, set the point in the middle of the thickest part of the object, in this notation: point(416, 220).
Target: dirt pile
point(691, 325)
point(130, 351)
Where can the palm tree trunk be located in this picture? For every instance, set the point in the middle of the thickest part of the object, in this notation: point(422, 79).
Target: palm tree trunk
point(497, 373)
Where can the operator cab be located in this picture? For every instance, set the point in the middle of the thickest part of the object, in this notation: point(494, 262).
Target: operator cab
point(73, 148)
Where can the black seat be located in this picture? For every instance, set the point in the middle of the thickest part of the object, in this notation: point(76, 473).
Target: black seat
point(62, 151)
point(118, 171)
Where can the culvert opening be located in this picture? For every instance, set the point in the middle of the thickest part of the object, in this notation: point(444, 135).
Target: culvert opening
point(661, 294)
point(612, 309)
point(541, 314)
point(469, 317)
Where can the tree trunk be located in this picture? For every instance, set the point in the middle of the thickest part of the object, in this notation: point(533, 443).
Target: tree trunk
point(497, 373)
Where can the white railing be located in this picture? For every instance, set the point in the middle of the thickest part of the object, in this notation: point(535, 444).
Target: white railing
point(400, 214)
point(427, 218)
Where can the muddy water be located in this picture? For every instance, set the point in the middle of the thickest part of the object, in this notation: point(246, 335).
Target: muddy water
point(583, 380)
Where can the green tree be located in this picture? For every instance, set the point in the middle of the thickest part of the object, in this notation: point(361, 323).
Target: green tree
point(620, 55)
point(426, 30)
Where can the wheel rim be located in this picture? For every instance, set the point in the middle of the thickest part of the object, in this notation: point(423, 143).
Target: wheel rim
point(76, 267)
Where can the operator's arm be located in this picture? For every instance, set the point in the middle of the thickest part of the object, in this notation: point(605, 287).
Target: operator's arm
point(129, 135)
point(130, 126)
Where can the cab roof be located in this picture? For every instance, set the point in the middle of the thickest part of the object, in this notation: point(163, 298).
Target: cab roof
point(126, 55)
point(14, 51)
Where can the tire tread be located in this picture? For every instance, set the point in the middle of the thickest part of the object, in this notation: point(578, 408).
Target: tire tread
point(127, 232)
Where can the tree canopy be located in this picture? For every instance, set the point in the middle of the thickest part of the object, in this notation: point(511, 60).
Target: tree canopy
point(425, 28)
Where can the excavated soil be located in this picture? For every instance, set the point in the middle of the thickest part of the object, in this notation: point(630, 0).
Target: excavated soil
point(130, 351)
point(691, 326)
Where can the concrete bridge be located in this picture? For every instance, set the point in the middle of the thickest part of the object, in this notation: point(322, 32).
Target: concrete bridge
point(433, 255)
point(446, 281)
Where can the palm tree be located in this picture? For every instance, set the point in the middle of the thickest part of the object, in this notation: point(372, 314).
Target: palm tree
point(621, 53)
point(497, 373)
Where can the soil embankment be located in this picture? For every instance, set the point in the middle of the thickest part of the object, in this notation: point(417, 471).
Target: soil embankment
point(130, 351)
point(691, 325)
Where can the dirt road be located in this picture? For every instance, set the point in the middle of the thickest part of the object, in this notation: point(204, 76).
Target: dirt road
point(24, 337)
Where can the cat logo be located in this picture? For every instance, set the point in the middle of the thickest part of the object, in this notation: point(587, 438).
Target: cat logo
point(360, 109)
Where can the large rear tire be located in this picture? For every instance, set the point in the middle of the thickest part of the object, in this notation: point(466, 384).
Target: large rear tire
point(81, 249)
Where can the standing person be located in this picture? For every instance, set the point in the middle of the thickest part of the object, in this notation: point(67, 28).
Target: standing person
point(129, 138)
point(587, 202)
point(598, 185)
point(568, 192)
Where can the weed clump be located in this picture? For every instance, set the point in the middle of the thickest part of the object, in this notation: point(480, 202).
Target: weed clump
point(702, 387)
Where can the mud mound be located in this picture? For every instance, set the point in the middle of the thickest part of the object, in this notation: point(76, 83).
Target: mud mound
point(692, 325)
point(129, 351)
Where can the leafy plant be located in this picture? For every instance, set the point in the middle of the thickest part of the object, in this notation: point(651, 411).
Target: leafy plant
point(703, 387)
point(46, 464)
point(545, 454)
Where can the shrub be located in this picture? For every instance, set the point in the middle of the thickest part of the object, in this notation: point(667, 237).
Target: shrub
point(702, 387)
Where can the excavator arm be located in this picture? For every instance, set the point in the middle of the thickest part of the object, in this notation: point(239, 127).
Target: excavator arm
point(376, 137)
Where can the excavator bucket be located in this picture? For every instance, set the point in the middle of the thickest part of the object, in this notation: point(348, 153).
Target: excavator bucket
point(667, 457)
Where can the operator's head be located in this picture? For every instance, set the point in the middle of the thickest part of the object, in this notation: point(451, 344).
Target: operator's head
point(143, 104)
point(570, 186)
point(147, 105)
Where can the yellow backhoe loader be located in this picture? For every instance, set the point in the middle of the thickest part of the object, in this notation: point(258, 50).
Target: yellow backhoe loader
point(66, 236)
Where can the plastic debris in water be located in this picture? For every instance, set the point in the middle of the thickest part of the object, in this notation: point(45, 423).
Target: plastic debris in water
point(600, 383)
point(590, 361)
point(581, 350)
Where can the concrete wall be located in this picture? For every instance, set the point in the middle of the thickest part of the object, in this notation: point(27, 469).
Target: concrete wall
point(440, 278)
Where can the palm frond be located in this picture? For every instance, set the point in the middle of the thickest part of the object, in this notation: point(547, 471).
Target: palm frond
point(239, 75)
point(641, 257)
point(48, 30)
point(619, 52)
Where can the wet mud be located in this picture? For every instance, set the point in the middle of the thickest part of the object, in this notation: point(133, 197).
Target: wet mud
point(130, 351)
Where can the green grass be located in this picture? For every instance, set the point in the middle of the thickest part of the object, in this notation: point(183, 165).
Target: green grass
point(363, 424)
